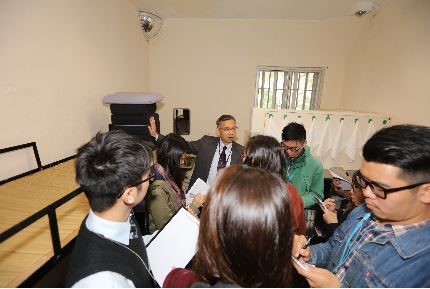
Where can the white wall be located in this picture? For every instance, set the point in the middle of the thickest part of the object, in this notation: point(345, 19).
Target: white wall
point(209, 66)
point(389, 67)
point(58, 58)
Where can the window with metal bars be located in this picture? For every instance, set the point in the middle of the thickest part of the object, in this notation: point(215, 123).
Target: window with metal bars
point(288, 88)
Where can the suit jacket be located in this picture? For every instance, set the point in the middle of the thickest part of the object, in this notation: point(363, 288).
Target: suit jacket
point(205, 149)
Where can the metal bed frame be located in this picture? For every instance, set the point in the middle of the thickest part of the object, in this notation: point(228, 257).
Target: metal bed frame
point(59, 253)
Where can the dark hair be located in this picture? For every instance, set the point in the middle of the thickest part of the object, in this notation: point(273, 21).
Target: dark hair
point(294, 131)
point(404, 146)
point(264, 152)
point(109, 163)
point(169, 155)
point(224, 117)
point(245, 235)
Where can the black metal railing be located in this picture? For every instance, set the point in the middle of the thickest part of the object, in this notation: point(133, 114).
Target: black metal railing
point(36, 156)
point(53, 225)
point(49, 210)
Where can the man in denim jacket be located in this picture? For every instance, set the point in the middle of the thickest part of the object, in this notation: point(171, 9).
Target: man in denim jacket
point(386, 241)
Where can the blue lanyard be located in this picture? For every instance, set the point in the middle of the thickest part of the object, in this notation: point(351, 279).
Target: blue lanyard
point(290, 177)
point(346, 253)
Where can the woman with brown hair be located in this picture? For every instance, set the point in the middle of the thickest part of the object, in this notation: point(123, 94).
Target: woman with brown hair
point(245, 235)
point(264, 152)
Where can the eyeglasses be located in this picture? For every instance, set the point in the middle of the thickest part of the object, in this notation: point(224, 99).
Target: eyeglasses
point(359, 181)
point(292, 149)
point(228, 129)
point(150, 179)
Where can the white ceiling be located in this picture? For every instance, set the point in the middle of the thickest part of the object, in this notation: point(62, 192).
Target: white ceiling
point(254, 9)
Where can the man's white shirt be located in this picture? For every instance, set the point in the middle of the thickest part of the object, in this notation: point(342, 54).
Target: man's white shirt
point(117, 231)
point(213, 170)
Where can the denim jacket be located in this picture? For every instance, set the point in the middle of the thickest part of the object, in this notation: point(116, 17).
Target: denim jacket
point(390, 261)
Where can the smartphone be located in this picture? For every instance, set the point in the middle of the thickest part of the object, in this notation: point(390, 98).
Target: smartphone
point(321, 202)
point(301, 265)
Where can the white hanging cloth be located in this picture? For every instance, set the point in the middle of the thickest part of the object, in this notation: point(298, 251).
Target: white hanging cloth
point(270, 126)
point(338, 144)
point(285, 121)
point(370, 131)
point(299, 119)
point(353, 142)
point(311, 136)
point(326, 140)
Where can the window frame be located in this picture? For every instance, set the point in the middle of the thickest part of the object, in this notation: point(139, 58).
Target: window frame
point(315, 102)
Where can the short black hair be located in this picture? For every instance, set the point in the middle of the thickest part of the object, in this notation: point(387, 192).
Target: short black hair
point(294, 131)
point(224, 117)
point(109, 163)
point(265, 152)
point(404, 146)
point(169, 155)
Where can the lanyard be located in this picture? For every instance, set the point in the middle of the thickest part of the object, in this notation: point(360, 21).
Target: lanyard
point(290, 177)
point(358, 238)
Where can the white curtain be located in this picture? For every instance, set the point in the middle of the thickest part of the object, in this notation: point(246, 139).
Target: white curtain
point(270, 126)
point(338, 144)
point(326, 139)
point(285, 121)
point(370, 131)
point(311, 136)
point(353, 142)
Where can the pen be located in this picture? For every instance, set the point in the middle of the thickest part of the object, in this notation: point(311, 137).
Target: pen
point(307, 242)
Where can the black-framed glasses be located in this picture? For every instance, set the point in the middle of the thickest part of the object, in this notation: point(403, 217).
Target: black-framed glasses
point(292, 149)
point(359, 181)
point(150, 178)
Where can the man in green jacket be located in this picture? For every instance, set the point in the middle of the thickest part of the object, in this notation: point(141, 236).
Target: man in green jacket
point(304, 171)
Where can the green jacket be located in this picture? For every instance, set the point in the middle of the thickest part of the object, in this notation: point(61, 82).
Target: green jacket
point(161, 204)
point(307, 175)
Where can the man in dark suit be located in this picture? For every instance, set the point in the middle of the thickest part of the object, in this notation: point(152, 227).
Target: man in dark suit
point(213, 153)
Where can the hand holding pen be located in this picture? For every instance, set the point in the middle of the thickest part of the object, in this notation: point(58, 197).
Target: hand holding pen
point(308, 242)
point(300, 247)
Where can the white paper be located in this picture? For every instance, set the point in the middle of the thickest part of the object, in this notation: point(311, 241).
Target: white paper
point(199, 186)
point(345, 184)
point(174, 246)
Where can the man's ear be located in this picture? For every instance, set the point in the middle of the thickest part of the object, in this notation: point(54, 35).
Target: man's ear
point(425, 193)
point(129, 195)
point(218, 133)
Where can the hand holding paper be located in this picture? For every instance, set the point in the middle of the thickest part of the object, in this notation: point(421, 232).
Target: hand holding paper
point(198, 187)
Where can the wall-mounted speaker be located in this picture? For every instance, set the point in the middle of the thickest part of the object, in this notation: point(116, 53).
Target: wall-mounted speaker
point(181, 121)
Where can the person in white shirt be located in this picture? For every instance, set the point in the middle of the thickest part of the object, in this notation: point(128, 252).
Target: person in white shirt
point(113, 170)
